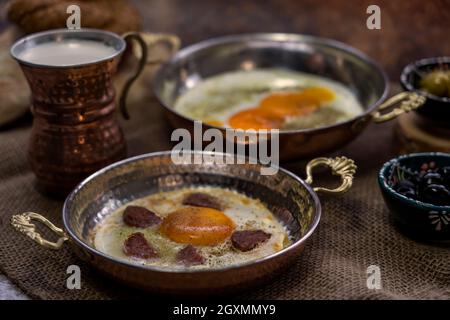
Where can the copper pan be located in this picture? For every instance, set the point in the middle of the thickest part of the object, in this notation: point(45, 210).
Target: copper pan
point(292, 200)
point(319, 56)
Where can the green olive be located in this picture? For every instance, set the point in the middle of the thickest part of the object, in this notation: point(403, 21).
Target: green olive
point(436, 83)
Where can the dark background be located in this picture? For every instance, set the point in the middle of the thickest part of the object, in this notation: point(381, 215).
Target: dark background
point(410, 29)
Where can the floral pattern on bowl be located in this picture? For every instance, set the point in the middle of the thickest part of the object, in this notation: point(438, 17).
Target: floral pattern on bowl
point(417, 219)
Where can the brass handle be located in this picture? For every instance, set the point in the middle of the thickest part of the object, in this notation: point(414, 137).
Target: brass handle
point(408, 101)
point(23, 223)
point(144, 41)
point(340, 166)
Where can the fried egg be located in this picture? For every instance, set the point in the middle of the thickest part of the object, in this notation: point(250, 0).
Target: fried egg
point(209, 230)
point(268, 99)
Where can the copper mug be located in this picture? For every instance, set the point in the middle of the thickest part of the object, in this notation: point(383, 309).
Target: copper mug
point(75, 128)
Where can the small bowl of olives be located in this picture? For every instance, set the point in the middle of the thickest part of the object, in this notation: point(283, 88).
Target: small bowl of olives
point(431, 78)
point(416, 189)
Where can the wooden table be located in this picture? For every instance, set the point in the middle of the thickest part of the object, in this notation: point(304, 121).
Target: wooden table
point(410, 30)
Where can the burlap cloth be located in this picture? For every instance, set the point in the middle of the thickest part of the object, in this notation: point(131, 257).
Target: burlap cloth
point(355, 231)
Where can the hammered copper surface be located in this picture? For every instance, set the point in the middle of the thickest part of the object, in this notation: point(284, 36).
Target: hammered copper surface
point(290, 199)
point(75, 130)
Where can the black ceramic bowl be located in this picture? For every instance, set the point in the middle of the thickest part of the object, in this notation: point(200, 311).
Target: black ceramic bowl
point(435, 108)
point(417, 219)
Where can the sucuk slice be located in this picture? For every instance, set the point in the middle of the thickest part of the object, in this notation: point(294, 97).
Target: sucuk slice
point(249, 239)
point(135, 216)
point(199, 199)
point(189, 256)
point(138, 247)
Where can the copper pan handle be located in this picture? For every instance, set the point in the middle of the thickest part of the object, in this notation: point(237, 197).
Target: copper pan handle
point(340, 166)
point(23, 223)
point(406, 100)
point(144, 41)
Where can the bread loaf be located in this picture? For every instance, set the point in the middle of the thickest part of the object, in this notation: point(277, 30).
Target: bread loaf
point(38, 15)
point(14, 90)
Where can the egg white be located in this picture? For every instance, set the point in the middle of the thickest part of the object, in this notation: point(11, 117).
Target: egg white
point(246, 213)
point(219, 97)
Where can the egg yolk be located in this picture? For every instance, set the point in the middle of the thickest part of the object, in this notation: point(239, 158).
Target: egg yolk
point(197, 226)
point(273, 110)
point(256, 118)
point(215, 123)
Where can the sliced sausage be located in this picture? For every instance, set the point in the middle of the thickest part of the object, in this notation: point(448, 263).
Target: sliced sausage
point(249, 239)
point(189, 256)
point(199, 199)
point(135, 216)
point(138, 247)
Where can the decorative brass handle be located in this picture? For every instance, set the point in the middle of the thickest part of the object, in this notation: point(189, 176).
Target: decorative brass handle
point(23, 223)
point(340, 166)
point(408, 101)
point(144, 41)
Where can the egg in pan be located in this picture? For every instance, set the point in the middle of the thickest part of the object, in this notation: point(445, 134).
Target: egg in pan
point(268, 99)
point(202, 227)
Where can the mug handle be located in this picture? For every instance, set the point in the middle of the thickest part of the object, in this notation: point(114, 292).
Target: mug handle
point(340, 166)
point(144, 41)
point(408, 101)
point(23, 223)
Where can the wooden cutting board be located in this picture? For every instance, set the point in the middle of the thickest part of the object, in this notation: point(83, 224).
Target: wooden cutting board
point(417, 134)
